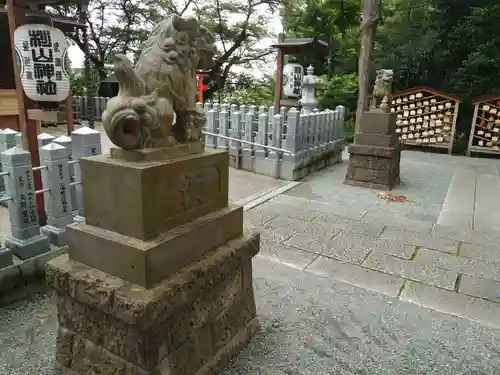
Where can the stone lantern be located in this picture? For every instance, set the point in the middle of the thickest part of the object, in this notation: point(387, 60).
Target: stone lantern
point(309, 85)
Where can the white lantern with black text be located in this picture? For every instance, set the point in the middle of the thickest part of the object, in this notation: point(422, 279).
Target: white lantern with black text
point(42, 51)
point(292, 80)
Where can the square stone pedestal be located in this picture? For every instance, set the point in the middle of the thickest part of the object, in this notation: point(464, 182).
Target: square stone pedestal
point(169, 294)
point(375, 157)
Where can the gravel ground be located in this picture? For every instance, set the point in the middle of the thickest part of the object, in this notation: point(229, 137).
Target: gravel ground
point(310, 325)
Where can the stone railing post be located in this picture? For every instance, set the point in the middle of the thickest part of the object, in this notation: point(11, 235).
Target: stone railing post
point(243, 111)
point(57, 197)
point(84, 142)
point(340, 109)
point(207, 107)
point(223, 127)
point(25, 240)
point(235, 149)
point(211, 140)
point(247, 153)
point(289, 163)
point(261, 153)
point(232, 108)
point(277, 135)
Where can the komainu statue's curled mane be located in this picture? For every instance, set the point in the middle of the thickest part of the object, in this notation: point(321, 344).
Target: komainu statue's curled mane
point(162, 82)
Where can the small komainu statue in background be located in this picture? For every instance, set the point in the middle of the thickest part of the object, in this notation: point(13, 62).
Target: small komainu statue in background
point(162, 82)
point(382, 90)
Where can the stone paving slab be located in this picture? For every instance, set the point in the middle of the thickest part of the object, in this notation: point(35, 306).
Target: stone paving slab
point(460, 264)
point(412, 270)
point(458, 207)
point(486, 254)
point(487, 203)
point(475, 309)
point(379, 257)
point(478, 287)
point(286, 255)
point(398, 222)
point(357, 276)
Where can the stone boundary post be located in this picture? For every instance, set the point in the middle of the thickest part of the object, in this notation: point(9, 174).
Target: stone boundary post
point(66, 141)
point(7, 140)
point(25, 240)
point(84, 142)
point(56, 183)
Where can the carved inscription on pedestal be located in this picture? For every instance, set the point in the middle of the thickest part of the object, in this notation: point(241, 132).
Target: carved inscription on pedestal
point(200, 185)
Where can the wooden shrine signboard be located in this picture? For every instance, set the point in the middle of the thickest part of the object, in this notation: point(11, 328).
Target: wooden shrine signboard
point(42, 56)
point(485, 130)
point(426, 117)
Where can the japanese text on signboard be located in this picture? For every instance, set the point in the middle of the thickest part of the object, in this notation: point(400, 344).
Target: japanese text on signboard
point(42, 51)
point(41, 64)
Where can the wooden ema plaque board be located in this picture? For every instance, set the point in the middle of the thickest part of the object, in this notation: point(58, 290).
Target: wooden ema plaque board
point(485, 130)
point(426, 117)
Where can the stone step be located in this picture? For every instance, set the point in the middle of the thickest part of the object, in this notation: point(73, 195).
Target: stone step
point(487, 206)
point(458, 206)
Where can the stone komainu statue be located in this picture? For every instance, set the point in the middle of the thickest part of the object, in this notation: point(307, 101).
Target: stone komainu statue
point(382, 90)
point(162, 82)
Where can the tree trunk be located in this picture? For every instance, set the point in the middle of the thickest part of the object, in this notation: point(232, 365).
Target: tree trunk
point(371, 16)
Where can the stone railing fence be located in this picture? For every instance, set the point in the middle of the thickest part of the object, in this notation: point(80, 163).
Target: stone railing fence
point(62, 190)
point(287, 145)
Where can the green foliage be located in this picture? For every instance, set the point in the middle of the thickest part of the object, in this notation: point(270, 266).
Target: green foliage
point(451, 45)
point(338, 89)
point(250, 92)
point(349, 126)
point(77, 84)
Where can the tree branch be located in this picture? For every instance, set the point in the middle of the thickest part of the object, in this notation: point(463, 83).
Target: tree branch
point(186, 6)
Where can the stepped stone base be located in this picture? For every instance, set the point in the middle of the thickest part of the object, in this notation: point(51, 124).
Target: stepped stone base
point(190, 323)
point(146, 263)
point(375, 157)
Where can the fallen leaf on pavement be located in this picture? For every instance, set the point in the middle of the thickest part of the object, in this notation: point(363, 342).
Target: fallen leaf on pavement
point(393, 198)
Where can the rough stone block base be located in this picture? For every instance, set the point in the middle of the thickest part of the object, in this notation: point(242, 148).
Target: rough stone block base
point(373, 167)
point(189, 324)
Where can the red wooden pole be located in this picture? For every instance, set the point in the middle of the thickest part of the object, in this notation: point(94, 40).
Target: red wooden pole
point(280, 60)
point(201, 86)
point(16, 15)
point(69, 113)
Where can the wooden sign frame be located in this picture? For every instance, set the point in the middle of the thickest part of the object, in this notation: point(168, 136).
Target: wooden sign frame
point(484, 134)
point(426, 117)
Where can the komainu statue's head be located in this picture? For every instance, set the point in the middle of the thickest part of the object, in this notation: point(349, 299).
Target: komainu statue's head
point(385, 75)
point(185, 40)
